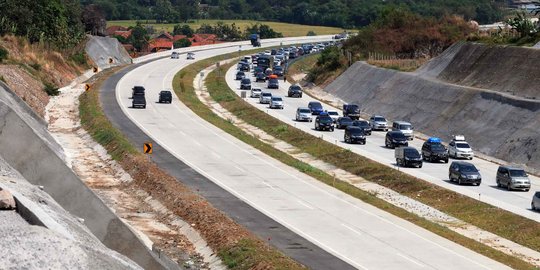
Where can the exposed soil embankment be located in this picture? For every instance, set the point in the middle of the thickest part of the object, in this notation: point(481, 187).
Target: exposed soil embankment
point(495, 123)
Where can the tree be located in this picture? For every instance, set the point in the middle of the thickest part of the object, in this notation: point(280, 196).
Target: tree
point(139, 37)
point(311, 33)
point(183, 30)
point(94, 20)
point(263, 30)
point(164, 12)
point(181, 43)
point(522, 24)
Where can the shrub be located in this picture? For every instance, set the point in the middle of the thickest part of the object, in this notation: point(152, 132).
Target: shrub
point(36, 66)
point(311, 33)
point(181, 43)
point(51, 90)
point(79, 58)
point(3, 54)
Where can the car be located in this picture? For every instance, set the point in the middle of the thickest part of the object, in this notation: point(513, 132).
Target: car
point(240, 75)
point(333, 114)
point(434, 151)
point(408, 157)
point(265, 98)
point(394, 139)
point(294, 91)
point(354, 134)
point(256, 92)
point(257, 70)
point(464, 173)
point(260, 77)
point(165, 96)
point(175, 55)
point(535, 203)
point(243, 67)
point(139, 101)
point(273, 83)
point(352, 111)
point(324, 122)
point(459, 148)
point(378, 123)
point(315, 107)
point(363, 124)
point(276, 103)
point(137, 90)
point(190, 56)
point(512, 178)
point(404, 127)
point(278, 70)
point(268, 72)
point(303, 114)
point(245, 83)
point(248, 59)
point(343, 122)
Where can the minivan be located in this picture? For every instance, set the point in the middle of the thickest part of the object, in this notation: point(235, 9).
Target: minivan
point(354, 134)
point(464, 173)
point(404, 127)
point(394, 139)
point(513, 178)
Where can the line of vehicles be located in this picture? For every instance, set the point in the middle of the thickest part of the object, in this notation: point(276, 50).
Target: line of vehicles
point(138, 97)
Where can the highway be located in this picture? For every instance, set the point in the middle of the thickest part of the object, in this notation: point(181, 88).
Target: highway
point(359, 234)
point(518, 202)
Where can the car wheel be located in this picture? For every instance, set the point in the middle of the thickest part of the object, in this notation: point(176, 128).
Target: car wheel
point(508, 187)
point(498, 183)
point(459, 181)
point(450, 178)
point(332, 129)
point(533, 207)
point(470, 158)
point(527, 190)
point(446, 160)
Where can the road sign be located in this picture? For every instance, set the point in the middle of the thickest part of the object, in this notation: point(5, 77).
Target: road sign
point(87, 87)
point(95, 69)
point(147, 148)
point(110, 60)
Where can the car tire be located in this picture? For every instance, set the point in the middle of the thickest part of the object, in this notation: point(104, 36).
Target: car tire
point(332, 129)
point(450, 178)
point(459, 181)
point(527, 190)
point(498, 183)
point(446, 160)
point(508, 187)
point(420, 166)
point(533, 207)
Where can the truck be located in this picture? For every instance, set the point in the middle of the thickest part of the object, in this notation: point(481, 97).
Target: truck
point(255, 40)
point(352, 111)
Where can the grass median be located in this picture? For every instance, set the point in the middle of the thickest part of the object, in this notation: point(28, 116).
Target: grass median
point(217, 87)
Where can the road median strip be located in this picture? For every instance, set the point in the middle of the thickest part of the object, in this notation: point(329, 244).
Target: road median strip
point(229, 100)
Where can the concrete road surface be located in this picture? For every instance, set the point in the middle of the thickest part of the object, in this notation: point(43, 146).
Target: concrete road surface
point(359, 234)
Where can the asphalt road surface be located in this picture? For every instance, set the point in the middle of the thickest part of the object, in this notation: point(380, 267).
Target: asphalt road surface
point(355, 232)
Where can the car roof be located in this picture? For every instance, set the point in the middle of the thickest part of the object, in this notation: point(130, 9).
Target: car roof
point(302, 108)
point(353, 127)
point(510, 167)
point(314, 102)
point(462, 163)
point(402, 123)
point(256, 89)
point(394, 132)
point(376, 115)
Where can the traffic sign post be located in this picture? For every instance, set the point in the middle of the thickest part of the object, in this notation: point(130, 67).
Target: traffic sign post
point(95, 69)
point(147, 148)
point(87, 87)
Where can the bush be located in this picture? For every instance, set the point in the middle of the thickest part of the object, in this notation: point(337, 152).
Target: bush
point(181, 43)
point(311, 33)
point(79, 59)
point(36, 66)
point(3, 54)
point(51, 90)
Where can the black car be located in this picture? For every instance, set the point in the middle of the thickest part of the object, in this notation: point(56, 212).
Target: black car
point(354, 134)
point(278, 70)
point(395, 139)
point(408, 157)
point(242, 66)
point(343, 122)
point(315, 107)
point(137, 90)
point(139, 101)
point(260, 77)
point(434, 151)
point(273, 83)
point(245, 84)
point(364, 124)
point(464, 173)
point(295, 91)
point(324, 122)
point(257, 70)
point(240, 75)
point(165, 97)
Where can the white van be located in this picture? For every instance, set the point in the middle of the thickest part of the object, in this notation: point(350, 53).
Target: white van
point(404, 127)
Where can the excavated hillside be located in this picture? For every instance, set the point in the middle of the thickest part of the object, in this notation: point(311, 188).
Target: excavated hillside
point(446, 97)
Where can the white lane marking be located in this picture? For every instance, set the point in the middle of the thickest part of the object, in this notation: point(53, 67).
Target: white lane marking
point(305, 204)
point(352, 229)
point(268, 185)
point(410, 260)
point(240, 169)
point(280, 169)
point(197, 143)
point(215, 154)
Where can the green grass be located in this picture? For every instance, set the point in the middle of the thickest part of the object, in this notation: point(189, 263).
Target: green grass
point(217, 87)
point(287, 29)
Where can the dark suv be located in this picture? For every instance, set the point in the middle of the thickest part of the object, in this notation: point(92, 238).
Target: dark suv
point(395, 139)
point(364, 124)
point(137, 90)
point(165, 96)
point(434, 151)
point(464, 173)
point(295, 91)
point(139, 101)
point(245, 83)
point(324, 122)
point(354, 134)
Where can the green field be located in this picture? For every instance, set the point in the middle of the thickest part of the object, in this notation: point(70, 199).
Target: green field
point(287, 29)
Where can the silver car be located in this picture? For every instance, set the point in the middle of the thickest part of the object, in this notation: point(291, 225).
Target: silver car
point(378, 123)
point(535, 204)
point(303, 114)
point(276, 103)
point(256, 92)
point(265, 98)
point(404, 127)
point(513, 178)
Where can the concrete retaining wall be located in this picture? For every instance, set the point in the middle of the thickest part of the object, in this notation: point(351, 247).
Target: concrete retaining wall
point(494, 123)
point(101, 49)
point(30, 151)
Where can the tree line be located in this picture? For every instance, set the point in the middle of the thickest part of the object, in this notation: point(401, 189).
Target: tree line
point(338, 13)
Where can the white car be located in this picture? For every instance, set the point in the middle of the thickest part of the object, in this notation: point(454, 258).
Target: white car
point(333, 114)
point(190, 56)
point(276, 103)
point(303, 114)
point(256, 92)
point(459, 148)
point(378, 123)
point(175, 55)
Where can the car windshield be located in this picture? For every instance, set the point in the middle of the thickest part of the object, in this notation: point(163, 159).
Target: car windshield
point(356, 131)
point(240, 74)
point(325, 119)
point(518, 173)
point(278, 68)
point(405, 127)
point(468, 168)
point(316, 105)
point(462, 145)
point(276, 99)
point(361, 123)
point(412, 153)
point(266, 94)
point(379, 119)
point(437, 147)
point(295, 87)
point(273, 81)
point(304, 111)
point(256, 90)
point(398, 135)
point(246, 81)
point(332, 113)
point(346, 120)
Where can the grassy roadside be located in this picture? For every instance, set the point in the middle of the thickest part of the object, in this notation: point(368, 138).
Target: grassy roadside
point(237, 248)
point(219, 90)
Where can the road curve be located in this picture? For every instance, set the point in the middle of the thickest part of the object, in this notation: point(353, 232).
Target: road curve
point(361, 235)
